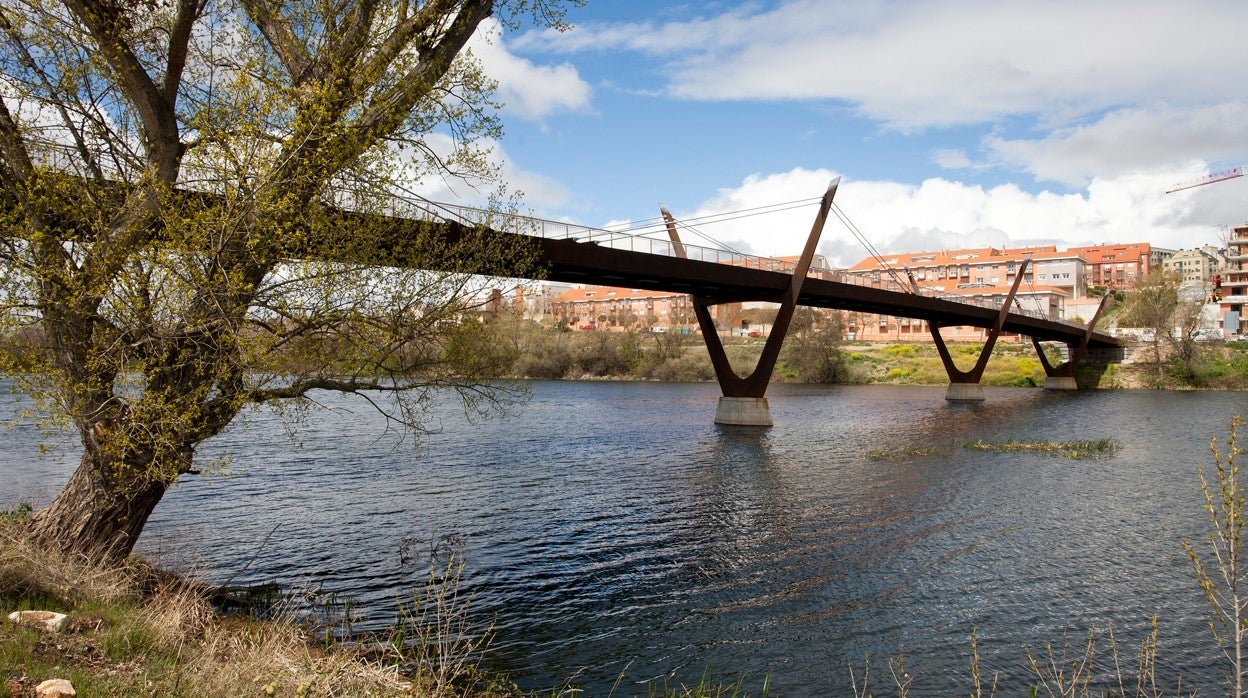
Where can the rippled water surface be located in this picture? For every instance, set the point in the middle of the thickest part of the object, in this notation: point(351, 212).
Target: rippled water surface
point(611, 528)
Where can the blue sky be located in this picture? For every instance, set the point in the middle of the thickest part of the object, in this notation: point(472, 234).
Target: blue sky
point(953, 123)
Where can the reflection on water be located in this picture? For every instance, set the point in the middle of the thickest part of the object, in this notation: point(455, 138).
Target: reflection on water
point(611, 527)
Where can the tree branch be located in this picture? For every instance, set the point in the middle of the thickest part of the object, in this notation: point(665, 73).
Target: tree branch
point(392, 106)
point(276, 29)
point(160, 127)
point(179, 37)
point(42, 75)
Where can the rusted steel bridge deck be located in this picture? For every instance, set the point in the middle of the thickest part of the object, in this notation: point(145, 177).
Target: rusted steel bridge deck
point(579, 254)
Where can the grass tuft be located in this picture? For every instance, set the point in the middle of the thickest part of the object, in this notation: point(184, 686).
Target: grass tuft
point(1074, 450)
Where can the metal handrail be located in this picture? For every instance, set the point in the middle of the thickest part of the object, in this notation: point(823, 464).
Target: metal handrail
point(560, 230)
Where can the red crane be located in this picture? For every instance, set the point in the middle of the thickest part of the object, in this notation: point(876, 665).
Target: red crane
point(1210, 178)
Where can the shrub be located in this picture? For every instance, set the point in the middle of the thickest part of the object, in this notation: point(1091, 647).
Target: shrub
point(898, 351)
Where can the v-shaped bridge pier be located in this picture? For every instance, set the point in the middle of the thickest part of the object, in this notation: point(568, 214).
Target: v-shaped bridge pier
point(744, 402)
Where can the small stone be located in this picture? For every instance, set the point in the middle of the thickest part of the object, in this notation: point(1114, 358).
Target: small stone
point(44, 620)
point(55, 688)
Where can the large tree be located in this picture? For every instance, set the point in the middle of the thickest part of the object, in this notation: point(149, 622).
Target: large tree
point(190, 193)
point(1157, 304)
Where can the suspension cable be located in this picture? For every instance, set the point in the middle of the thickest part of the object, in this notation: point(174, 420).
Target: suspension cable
point(875, 254)
point(657, 224)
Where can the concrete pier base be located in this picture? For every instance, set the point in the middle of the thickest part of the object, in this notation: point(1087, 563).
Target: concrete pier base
point(1060, 383)
point(965, 392)
point(743, 411)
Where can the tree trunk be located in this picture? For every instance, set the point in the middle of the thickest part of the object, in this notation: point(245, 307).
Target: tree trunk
point(98, 515)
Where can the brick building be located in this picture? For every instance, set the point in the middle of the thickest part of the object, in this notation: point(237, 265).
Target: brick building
point(963, 270)
point(1116, 266)
point(1234, 283)
point(1043, 300)
point(621, 309)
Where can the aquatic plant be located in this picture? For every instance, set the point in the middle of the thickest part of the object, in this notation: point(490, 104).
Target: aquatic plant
point(1074, 450)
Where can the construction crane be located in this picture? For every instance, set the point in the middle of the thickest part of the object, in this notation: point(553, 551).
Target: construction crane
point(1210, 178)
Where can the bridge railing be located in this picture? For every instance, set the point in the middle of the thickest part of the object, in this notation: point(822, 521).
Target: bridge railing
point(1020, 305)
point(562, 230)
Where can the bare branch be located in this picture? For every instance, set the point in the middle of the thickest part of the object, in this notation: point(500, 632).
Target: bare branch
point(388, 109)
point(293, 53)
point(188, 12)
point(160, 127)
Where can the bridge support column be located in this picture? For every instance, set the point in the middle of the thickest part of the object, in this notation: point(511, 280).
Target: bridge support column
point(744, 402)
point(964, 385)
point(743, 411)
point(964, 392)
point(1062, 376)
point(1060, 383)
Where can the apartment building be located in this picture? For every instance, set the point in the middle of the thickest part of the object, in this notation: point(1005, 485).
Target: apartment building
point(1047, 301)
point(982, 268)
point(1199, 265)
point(1116, 266)
point(1234, 282)
point(622, 309)
point(819, 268)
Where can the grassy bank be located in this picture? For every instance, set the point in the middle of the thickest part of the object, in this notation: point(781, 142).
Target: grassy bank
point(1012, 364)
point(816, 358)
point(133, 630)
point(531, 351)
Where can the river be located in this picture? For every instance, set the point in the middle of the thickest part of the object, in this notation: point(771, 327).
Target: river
point(610, 529)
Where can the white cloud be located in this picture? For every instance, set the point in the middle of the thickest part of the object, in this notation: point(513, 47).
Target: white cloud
point(951, 159)
point(539, 191)
point(913, 64)
point(527, 90)
point(1127, 140)
point(943, 214)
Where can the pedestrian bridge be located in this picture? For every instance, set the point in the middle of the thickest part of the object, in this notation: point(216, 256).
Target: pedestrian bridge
point(582, 254)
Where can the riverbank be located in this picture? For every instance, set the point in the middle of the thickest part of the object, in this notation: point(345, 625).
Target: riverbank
point(135, 630)
point(532, 352)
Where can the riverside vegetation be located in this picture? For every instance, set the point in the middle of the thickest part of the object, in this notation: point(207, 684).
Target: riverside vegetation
point(520, 348)
point(135, 630)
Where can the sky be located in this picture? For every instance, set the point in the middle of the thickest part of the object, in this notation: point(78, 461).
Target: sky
point(952, 123)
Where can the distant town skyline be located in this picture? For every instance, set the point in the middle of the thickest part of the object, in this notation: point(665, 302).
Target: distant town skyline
point(954, 123)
